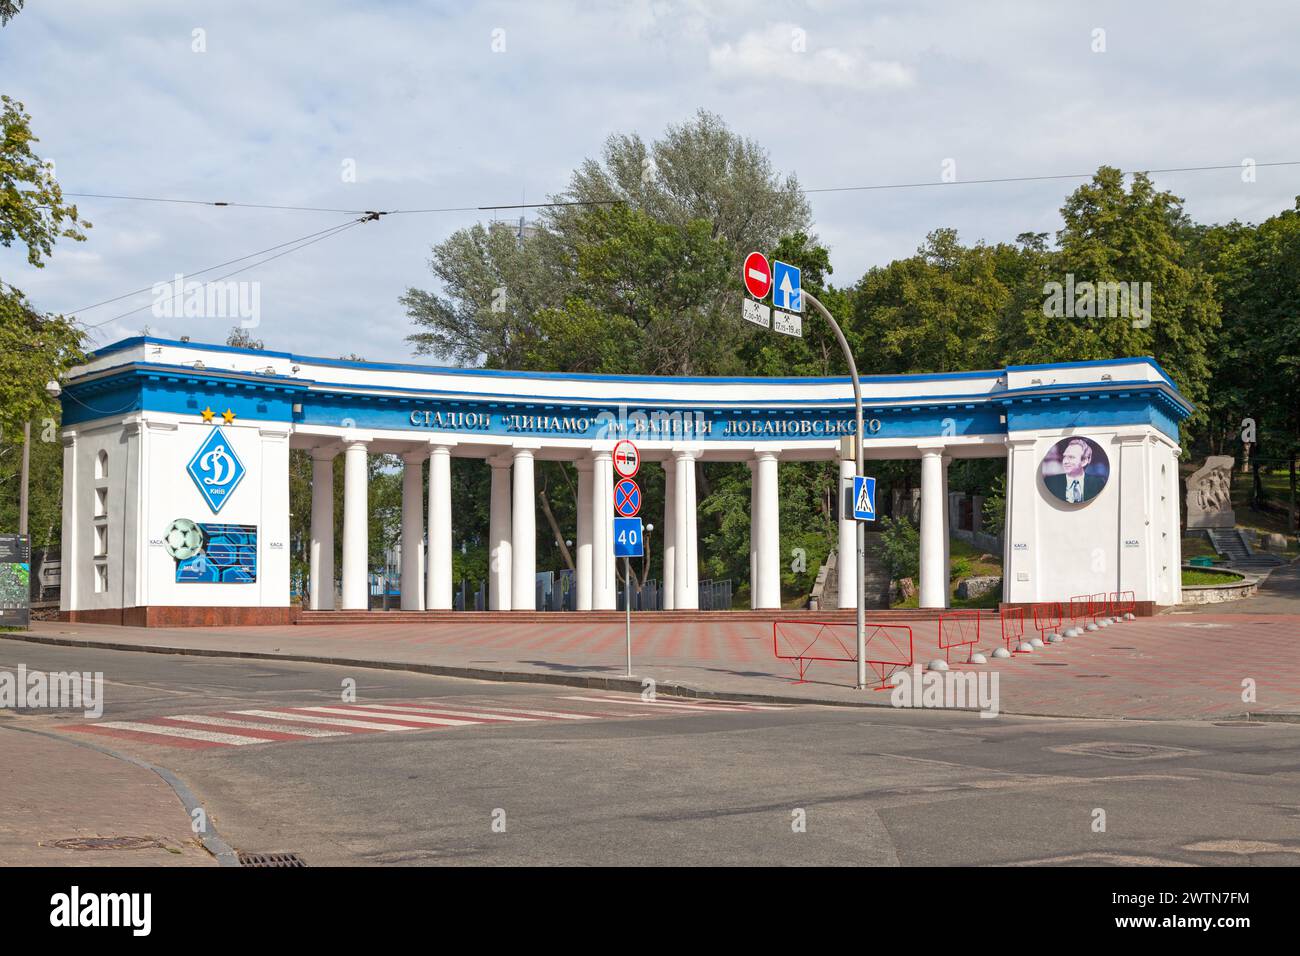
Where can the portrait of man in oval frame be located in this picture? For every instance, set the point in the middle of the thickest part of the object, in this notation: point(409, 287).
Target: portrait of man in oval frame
point(1075, 470)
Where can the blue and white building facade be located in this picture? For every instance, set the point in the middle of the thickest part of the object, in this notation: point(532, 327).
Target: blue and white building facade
point(163, 437)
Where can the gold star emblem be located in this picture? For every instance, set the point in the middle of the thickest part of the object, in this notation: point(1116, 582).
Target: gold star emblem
point(207, 414)
point(228, 416)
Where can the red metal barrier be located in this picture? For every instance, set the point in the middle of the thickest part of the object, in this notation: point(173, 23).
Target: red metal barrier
point(1079, 607)
point(888, 646)
point(1047, 617)
point(1097, 605)
point(959, 629)
point(1122, 602)
point(1013, 625)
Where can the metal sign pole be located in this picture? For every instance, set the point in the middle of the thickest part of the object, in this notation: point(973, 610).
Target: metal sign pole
point(627, 589)
point(861, 620)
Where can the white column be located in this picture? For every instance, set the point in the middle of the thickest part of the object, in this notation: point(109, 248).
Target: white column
point(692, 535)
point(753, 533)
point(70, 578)
point(413, 531)
point(846, 558)
point(670, 534)
point(438, 561)
point(523, 537)
point(947, 534)
point(320, 586)
point(583, 557)
point(685, 580)
point(932, 585)
point(604, 582)
point(768, 516)
point(356, 535)
point(611, 564)
point(499, 556)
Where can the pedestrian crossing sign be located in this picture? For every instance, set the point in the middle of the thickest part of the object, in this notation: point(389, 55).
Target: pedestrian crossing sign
point(864, 498)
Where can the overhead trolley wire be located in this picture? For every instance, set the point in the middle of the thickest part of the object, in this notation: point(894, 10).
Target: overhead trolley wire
point(600, 202)
point(219, 265)
point(328, 234)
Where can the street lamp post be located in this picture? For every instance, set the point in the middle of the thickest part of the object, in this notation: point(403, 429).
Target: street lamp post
point(861, 619)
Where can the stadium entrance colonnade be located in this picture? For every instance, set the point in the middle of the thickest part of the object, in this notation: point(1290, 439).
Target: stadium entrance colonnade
point(176, 473)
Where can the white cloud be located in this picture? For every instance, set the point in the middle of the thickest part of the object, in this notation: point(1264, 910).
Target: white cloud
point(786, 52)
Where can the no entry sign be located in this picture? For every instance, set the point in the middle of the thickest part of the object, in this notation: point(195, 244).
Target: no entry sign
point(627, 460)
point(757, 274)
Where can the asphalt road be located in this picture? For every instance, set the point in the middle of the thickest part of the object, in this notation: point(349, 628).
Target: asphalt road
point(655, 784)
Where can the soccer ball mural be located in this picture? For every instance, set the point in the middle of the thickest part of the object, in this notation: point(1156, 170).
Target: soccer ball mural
point(184, 539)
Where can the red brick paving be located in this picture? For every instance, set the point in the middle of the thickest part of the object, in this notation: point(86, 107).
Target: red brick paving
point(1179, 665)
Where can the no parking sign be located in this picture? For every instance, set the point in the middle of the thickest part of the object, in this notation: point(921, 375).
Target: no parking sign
point(627, 498)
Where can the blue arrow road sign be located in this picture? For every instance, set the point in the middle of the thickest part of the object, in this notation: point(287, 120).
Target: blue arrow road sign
point(627, 538)
point(786, 292)
point(864, 498)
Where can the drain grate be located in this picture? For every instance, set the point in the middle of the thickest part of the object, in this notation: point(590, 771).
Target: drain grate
point(270, 859)
point(108, 843)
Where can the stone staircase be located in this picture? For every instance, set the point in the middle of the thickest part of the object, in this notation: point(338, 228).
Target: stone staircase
point(1236, 551)
point(877, 578)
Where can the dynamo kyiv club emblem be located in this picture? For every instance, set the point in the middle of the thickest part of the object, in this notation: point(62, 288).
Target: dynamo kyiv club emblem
point(216, 469)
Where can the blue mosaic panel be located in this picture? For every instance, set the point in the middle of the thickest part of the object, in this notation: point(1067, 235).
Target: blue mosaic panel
point(229, 556)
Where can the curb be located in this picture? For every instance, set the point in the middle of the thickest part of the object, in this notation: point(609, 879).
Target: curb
point(626, 684)
point(211, 840)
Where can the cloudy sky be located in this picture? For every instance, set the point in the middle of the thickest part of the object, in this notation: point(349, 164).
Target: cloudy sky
point(465, 104)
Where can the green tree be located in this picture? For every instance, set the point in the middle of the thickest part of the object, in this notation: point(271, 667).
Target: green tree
point(936, 311)
point(644, 297)
point(676, 214)
point(900, 547)
point(32, 210)
point(1113, 234)
point(34, 348)
point(1256, 359)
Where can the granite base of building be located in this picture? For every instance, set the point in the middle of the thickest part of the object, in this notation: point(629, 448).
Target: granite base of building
point(160, 616)
point(1140, 609)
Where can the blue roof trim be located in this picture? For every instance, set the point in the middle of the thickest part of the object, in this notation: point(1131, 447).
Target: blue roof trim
point(870, 402)
point(588, 377)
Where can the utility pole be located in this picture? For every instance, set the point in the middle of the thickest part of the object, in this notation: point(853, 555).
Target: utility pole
point(861, 536)
point(23, 480)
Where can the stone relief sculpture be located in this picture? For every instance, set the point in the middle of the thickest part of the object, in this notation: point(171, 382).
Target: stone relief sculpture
point(1209, 494)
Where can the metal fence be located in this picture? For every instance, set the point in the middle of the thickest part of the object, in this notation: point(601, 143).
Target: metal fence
point(648, 597)
point(715, 595)
point(465, 599)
